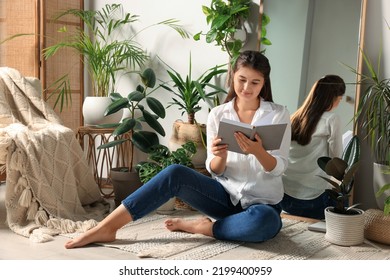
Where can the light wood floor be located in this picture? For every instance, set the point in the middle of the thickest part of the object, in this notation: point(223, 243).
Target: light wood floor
point(15, 247)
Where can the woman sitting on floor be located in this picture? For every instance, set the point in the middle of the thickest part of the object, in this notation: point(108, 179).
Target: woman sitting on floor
point(246, 189)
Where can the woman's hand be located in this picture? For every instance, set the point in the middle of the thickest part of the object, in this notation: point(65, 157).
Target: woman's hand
point(255, 147)
point(218, 149)
point(247, 145)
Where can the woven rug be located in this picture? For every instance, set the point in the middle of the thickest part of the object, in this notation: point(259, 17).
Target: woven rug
point(148, 238)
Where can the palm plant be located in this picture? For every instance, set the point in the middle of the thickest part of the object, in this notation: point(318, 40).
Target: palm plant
point(108, 45)
point(342, 171)
point(188, 92)
point(373, 112)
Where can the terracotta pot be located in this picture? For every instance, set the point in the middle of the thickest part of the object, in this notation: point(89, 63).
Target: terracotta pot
point(183, 132)
point(124, 183)
point(344, 230)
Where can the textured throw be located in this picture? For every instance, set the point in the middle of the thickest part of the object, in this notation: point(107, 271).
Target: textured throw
point(148, 238)
point(50, 188)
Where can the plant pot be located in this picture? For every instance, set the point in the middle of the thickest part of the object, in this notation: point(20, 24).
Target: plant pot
point(94, 108)
point(377, 226)
point(124, 183)
point(183, 132)
point(380, 178)
point(344, 230)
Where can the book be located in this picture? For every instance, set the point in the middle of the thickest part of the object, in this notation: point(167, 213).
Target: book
point(319, 226)
point(270, 134)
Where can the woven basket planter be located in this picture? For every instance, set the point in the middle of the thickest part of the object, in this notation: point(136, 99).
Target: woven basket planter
point(344, 230)
point(377, 226)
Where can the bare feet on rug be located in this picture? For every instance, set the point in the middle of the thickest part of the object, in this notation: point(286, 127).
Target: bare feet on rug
point(96, 234)
point(202, 225)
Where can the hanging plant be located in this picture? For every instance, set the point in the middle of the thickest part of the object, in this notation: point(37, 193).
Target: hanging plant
point(225, 18)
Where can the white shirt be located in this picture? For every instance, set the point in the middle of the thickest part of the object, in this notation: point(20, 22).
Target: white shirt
point(301, 178)
point(244, 177)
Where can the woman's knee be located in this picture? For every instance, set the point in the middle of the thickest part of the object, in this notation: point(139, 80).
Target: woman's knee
point(266, 221)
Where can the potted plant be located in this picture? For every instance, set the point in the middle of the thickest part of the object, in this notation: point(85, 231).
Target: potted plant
point(108, 46)
point(160, 157)
point(142, 109)
point(377, 222)
point(373, 121)
point(373, 115)
point(187, 95)
point(344, 225)
point(225, 19)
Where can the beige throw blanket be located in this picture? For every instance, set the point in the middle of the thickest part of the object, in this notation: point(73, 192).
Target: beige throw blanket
point(50, 188)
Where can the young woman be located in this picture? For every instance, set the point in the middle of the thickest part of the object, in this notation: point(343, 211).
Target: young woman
point(316, 132)
point(245, 190)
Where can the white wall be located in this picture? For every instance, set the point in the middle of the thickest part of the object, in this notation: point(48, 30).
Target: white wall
point(170, 47)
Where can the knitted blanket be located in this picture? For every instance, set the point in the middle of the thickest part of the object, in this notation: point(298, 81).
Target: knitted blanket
point(50, 188)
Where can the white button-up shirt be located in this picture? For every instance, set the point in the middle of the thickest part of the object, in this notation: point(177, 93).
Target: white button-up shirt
point(244, 177)
point(301, 178)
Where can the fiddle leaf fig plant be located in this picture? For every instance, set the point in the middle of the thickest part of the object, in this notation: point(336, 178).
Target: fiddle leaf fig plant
point(160, 157)
point(342, 171)
point(139, 113)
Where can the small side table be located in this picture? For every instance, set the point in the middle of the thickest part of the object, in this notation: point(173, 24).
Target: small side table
point(102, 160)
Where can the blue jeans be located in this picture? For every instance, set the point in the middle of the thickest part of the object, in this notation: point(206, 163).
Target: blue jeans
point(312, 208)
point(257, 223)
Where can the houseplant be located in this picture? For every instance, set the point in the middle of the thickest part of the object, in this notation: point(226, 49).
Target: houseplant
point(373, 121)
point(142, 109)
point(108, 46)
point(373, 116)
point(160, 157)
point(225, 18)
point(344, 225)
point(187, 95)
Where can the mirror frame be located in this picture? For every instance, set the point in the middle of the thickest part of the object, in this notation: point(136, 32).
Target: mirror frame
point(359, 64)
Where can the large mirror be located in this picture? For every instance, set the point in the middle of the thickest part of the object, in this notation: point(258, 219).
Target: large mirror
point(312, 38)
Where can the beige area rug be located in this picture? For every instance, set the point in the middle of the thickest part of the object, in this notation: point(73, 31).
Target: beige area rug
point(148, 238)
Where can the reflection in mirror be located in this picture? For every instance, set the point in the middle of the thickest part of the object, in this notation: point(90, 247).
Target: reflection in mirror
point(312, 38)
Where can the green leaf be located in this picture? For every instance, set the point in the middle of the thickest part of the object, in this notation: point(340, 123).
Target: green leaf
point(115, 96)
point(156, 106)
point(196, 37)
point(144, 140)
point(351, 153)
point(112, 143)
point(322, 161)
point(116, 106)
point(382, 190)
point(135, 96)
point(336, 167)
point(148, 78)
point(127, 125)
point(153, 123)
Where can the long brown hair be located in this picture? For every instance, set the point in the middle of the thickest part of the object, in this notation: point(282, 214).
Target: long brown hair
point(319, 100)
point(258, 62)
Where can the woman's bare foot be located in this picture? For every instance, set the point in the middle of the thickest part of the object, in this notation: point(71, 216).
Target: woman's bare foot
point(96, 234)
point(105, 231)
point(202, 225)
